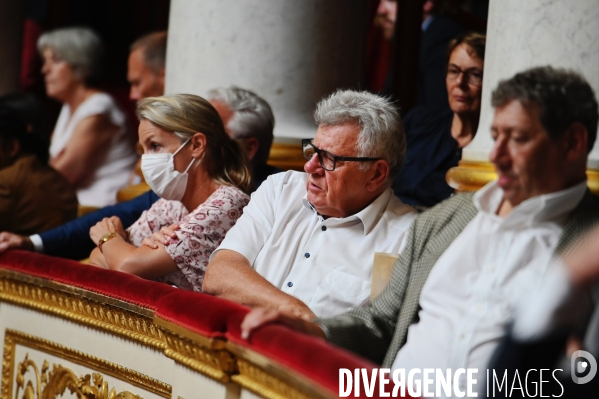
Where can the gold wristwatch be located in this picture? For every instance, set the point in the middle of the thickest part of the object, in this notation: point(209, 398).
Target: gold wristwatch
point(105, 238)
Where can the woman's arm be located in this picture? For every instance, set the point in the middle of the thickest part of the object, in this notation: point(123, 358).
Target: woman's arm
point(96, 258)
point(142, 261)
point(86, 150)
point(120, 255)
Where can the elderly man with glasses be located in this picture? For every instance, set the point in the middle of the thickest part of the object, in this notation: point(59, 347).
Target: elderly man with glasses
point(306, 241)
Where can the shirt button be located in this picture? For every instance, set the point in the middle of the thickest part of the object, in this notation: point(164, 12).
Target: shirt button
point(307, 255)
point(324, 228)
point(491, 269)
point(290, 284)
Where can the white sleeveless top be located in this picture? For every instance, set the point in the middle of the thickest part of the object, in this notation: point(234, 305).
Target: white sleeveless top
point(101, 187)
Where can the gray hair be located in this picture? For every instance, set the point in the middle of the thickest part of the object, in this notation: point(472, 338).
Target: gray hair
point(563, 97)
point(252, 117)
point(81, 48)
point(381, 135)
point(154, 50)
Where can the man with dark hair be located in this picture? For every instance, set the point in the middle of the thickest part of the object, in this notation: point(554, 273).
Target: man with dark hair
point(467, 260)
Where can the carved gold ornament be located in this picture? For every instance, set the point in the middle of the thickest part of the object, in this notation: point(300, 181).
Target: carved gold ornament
point(50, 384)
point(85, 307)
point(214, 357)
point(272, 380)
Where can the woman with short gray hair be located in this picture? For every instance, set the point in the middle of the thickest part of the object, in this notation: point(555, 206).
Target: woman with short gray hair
point(90, 146)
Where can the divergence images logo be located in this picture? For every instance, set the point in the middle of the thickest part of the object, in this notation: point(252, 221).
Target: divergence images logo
point(583, 367)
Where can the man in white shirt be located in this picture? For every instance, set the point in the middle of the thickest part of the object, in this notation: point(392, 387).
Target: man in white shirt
point(468, 259)
point(305, 243)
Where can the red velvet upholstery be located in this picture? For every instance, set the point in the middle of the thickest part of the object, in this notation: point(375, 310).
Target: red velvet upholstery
point(309, 356)
point(201, 313)
point(119, 285)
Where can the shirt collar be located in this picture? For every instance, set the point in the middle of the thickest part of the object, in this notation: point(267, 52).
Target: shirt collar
point(369, 216)
point(538, 209)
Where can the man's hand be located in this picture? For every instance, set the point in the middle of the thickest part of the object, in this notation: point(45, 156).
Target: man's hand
point(295, 308)
point(14, 241)
point(105, 226)
point(163, 236)
point(261, 316)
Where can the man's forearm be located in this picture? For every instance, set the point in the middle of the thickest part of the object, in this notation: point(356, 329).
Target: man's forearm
point(230, 276)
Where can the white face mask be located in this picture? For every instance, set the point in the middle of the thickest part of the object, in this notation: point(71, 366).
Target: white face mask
point(160, 174)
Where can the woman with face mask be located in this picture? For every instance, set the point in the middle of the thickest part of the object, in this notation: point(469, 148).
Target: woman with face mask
point(202, 177)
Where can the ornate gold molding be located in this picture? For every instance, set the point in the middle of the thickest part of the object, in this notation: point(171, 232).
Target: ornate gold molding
point(270, 379)
point(50, 384)
point(75, 306)
point(263, 384)
point(213, 357)
point(471, 176)
point(54, 383)
point(202, 354)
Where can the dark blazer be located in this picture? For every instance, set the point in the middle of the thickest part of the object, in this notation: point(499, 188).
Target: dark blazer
point(71, 240)
point(378, 331)
point(432, 151)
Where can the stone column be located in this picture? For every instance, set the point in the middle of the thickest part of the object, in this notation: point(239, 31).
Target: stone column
point(290, 52)
point(12, 14)
point(525, 34)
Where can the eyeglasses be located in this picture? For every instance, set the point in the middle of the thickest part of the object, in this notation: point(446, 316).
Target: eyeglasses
point(327, 160)
point(472, 76)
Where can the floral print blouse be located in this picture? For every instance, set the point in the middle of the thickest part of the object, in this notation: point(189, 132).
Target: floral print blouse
point(199, 234)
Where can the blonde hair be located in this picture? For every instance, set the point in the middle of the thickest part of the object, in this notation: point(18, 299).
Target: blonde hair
point(185, 115)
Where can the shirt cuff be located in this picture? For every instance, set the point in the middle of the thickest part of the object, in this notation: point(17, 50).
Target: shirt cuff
point(38, 244)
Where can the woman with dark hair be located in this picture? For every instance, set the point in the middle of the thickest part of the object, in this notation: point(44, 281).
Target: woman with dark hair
point(90, 146)
point(203, 178)
point(435, 137)
point(33, 196)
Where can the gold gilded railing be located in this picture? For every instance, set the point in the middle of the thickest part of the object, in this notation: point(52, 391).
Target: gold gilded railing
point(56, 367)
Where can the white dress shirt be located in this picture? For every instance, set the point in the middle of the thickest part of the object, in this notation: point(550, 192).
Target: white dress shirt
point(327, 264)
point(469, 296)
